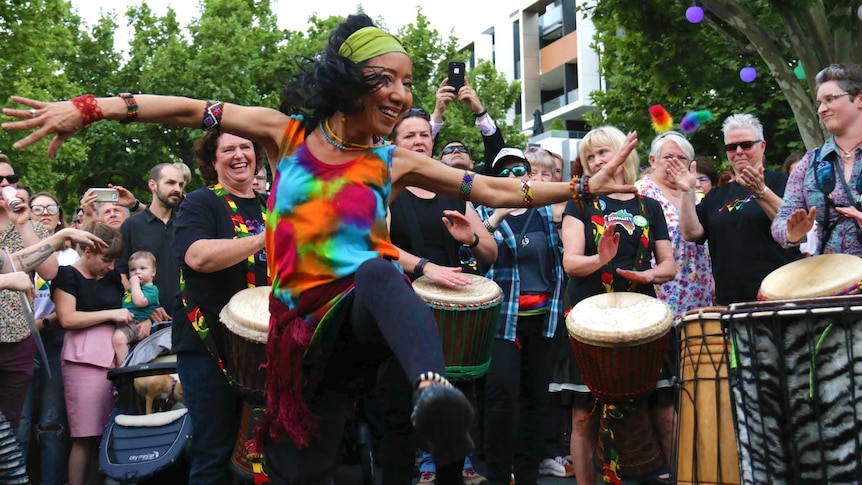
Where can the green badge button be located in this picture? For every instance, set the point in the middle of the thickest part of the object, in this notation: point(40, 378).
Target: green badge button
point(640, 221)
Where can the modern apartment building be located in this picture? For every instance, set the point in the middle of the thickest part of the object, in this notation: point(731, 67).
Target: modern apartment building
point(546, 45)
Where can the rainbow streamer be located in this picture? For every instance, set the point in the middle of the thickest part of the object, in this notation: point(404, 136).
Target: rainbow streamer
point(694, 119)
point(661, 119)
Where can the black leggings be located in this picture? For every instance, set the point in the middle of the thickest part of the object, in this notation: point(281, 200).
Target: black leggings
point(386, 319)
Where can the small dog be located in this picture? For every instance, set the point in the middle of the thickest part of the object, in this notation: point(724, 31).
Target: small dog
point(165, 386)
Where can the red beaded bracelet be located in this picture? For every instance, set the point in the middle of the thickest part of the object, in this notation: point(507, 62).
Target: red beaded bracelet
point(89, 108)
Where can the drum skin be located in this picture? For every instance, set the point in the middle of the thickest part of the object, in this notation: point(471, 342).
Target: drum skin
point(246, 316)
point(467, 320)
point(816, 276)
point(706, 441)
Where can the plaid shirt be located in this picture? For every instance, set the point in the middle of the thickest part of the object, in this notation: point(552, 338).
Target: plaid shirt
point(505, 272)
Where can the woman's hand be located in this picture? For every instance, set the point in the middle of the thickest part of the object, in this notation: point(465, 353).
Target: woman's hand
point(683, 174)
point(609, 243)
point(62, 119)
point(122, 316)
point(801, 221)
point(636, 276)
point(445, 276)
point(459, 227)
point(604, 182)
point(83, 238)
point(752, 179)
point(21, 216)
point(17, 281)
point(851, 212)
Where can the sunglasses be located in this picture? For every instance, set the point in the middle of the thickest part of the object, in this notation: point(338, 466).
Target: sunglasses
point(52, 209)
point(746, 145)
point(517, 171)
point(454, 148)
point(416, 112)
point(12, 179)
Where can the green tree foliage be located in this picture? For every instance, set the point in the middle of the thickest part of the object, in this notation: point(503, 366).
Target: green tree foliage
point(234, 51)
point(651, 54)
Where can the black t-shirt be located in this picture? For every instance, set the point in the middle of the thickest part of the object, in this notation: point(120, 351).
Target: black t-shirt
point(629, 223)
point(204, 215)
point(428, 218)
point(146, 232)
point(537, 277)
point(741, 246)
point(91, 295)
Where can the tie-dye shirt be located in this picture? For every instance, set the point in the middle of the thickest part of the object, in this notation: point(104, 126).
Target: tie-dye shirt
point(324, 220)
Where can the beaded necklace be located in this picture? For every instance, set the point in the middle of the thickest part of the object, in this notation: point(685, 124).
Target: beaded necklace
point(336, 141)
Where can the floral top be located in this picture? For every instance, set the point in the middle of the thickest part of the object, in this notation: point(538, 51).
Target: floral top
point(692, 286)
point(802, 192)
point(13, 323)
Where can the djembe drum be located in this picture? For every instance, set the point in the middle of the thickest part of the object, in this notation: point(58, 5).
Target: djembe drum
point(467, 321)
point(246, 316)
point(798, 374)
point(619, 342)
point(706, 441)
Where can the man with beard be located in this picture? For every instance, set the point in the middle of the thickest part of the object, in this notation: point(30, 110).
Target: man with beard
point(153, 230)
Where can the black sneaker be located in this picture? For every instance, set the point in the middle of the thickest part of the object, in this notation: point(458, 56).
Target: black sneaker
point(442, 417)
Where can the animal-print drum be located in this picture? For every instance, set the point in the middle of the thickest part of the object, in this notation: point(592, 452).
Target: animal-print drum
point(467, 320)
point(796, 368)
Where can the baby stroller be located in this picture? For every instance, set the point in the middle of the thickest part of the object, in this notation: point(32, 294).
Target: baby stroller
point(138, 447)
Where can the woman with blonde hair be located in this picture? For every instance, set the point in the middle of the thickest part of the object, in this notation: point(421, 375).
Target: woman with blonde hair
point(608, 247)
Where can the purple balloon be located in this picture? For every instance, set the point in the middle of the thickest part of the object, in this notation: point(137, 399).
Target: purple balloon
point(748, 74)
point(694, 14)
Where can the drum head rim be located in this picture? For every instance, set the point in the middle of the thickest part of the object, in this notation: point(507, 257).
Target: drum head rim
point(235, 313)
point(430, 291)
point(613, 337)
point(813, 277)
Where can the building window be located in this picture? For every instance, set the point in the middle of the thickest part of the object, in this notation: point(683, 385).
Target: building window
point(516, 46)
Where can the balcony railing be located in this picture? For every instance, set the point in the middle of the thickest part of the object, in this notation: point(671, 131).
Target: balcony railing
point(560, 101)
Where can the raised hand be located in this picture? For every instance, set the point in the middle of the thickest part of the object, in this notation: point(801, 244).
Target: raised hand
point(609, 243)
point(801, 221)
point(61, 119)
point(604, 181)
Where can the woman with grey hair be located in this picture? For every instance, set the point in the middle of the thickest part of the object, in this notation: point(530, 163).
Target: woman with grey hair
point(826, 187)
point(692, 286)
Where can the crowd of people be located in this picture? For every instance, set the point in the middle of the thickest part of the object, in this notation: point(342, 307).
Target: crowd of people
point(356, 209)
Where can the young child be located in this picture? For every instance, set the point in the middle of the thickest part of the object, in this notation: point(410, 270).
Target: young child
point(142, 299)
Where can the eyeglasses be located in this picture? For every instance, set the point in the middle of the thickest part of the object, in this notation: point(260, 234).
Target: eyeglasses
point(454, 148)
point(681, 158)
point(52, 209)
point(745, 145)
point(517, 171)
point(76, 221)
point(828, 100)
point(416, 112)
point(12, 179)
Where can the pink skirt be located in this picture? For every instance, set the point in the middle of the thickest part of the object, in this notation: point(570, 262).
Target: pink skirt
point(88, 398)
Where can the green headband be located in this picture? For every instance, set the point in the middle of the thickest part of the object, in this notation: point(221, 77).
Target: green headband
point(369, 42)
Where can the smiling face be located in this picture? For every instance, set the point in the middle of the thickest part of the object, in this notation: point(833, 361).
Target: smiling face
point(234, 163)
point(837, 109)
point(383, 107)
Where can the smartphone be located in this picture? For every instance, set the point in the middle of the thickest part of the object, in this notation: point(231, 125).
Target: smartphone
point(106, 195)
point(456, 75)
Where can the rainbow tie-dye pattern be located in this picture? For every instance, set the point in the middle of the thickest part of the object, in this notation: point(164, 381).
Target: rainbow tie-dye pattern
point(324, 220)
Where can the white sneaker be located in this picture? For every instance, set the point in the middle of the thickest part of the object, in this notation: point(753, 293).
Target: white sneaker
point(557, 467)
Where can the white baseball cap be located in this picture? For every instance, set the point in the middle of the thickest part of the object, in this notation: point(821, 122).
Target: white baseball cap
point(508, 154)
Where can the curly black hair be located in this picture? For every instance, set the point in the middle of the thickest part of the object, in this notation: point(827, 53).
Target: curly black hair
point(331, 82)
point(204, 154)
